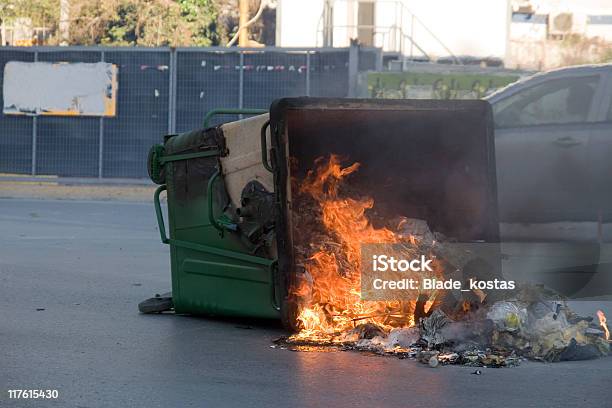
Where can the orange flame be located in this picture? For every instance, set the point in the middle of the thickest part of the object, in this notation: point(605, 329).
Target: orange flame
point(603, 324)
point(334, 302)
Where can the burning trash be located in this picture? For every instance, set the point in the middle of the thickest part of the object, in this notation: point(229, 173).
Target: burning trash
point(477, 331)
point(329, 293)
point(603, 323)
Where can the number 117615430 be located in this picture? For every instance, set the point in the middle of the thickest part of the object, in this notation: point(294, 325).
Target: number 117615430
point(33, 394)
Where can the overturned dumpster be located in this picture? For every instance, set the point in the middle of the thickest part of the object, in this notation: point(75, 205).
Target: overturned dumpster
point(268, 217)
point(230, 210)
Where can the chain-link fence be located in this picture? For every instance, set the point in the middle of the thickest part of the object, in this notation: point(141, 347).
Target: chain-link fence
point(163, 91)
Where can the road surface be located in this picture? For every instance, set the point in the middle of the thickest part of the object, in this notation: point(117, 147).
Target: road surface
point(88, 264)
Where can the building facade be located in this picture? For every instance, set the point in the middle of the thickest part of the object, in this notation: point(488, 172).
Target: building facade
point(530, 34)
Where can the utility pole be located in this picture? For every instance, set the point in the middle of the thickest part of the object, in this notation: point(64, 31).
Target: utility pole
point(64, 22)
point(243, 39)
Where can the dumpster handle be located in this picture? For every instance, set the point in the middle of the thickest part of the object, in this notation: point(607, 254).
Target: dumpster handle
point(224, 111)
point(222, 223)
point(160, 215)
point(211, 181)
point(209, 198)
point(264, 147)
point(274, 269)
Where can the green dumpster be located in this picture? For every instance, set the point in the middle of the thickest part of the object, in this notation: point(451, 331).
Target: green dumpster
point(215, 269)
point(229, 189)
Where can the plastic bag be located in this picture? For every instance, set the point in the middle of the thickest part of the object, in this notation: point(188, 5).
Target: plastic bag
point(507, 316)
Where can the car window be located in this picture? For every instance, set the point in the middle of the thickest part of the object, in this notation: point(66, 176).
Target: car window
point(557, 101)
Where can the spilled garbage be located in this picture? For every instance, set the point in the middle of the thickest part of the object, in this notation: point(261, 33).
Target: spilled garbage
point(527, 327)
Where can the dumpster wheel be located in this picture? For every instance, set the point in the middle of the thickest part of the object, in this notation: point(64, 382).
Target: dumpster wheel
point(157, 304)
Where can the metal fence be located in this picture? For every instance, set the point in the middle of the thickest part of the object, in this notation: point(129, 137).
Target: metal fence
point(161, 91)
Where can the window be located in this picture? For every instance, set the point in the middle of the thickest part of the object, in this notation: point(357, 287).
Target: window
point(554, 102)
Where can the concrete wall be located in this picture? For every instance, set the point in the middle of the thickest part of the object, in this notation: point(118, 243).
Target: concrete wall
point(299, 23)
point(458, 24)
point(468, 27)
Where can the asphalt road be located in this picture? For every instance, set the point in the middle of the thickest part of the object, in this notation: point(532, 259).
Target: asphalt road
point(88, 264)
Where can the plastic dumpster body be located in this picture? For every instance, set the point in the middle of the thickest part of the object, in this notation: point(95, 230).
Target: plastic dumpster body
point(213, 270)
point(230, 199)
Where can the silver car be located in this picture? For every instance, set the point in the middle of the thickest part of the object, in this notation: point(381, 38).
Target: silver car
point(553, 136)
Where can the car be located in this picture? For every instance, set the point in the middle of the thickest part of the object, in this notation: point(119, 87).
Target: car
point(553, 147)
